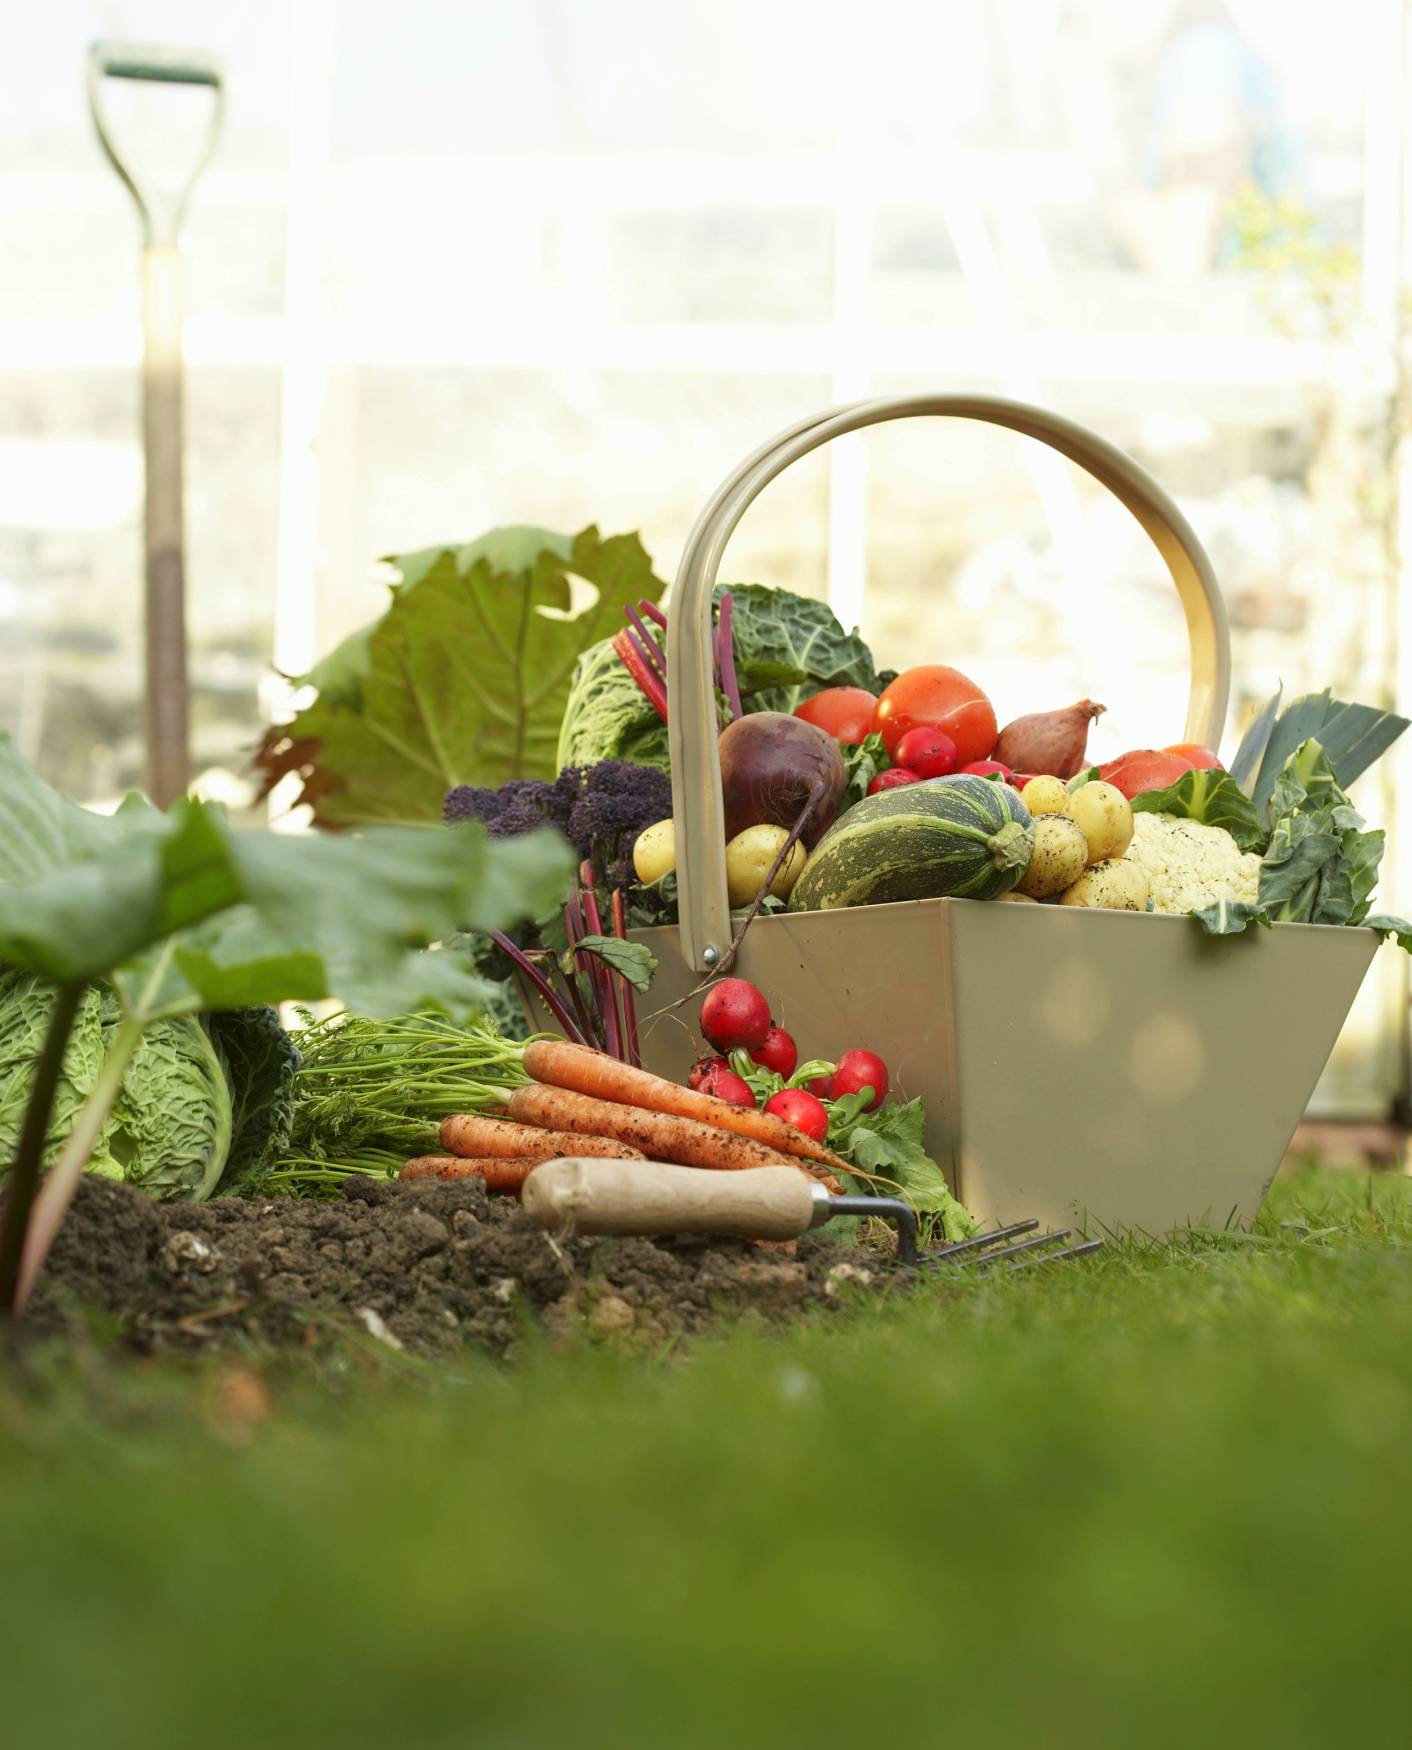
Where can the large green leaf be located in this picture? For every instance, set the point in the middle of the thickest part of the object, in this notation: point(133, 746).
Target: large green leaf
point(1352, 736)
point(467, 675)
point(185, 913)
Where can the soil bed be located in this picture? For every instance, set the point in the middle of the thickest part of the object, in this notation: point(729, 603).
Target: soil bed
point(429, 1268)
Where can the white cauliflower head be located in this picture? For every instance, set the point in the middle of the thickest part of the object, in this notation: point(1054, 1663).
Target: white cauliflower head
point(1190, 864)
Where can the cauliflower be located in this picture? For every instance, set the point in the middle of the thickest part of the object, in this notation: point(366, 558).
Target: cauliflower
point(1190, 864)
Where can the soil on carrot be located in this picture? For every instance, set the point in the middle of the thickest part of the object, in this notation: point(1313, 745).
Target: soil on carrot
point(429, 1267)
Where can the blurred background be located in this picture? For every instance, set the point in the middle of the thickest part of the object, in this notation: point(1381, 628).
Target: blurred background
point(459, 263)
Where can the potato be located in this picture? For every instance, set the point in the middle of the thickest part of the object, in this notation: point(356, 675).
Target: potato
point(1114, 885)
point(654, 852)
point(1023, 898)
point(748, 858)
point(1105, 817)
point(1046, 795)
point(1060, 852)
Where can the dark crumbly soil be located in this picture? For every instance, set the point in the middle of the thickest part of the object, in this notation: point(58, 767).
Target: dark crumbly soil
point(429, 1267)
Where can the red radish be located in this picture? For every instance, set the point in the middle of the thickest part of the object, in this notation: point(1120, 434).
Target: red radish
point(1051, 742)
point(930, 753)
point(821, 1087)
point(989, 769)
point(703, 1070)
point(725, 1084)
point(858, 1070)
point(778, 1052)
point(890, 780)
point(734, 1014)
point(800, 1109)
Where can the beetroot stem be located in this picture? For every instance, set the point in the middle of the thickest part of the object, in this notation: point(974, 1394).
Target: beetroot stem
point(620, 930)
point(598, 971)
point(725, 656)
point(546, 991)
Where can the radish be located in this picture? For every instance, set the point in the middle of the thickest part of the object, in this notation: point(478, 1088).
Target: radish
point(735, 1015)
point(858, 1070)
point(989, 769)
point(702, 1071)
point(930, 753)
point(803, 1110)
point(821, 1087)
point(726, 1085)
point(778, 1052)
point(890, 780)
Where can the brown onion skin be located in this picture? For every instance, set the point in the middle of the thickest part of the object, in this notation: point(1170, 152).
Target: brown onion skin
point(773, 766)
point(1052, 743)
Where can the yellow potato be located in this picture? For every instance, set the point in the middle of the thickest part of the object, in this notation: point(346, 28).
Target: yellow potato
point(1105, 817)
point(1060, 852)
point(1045, 795)
point(654, 852)
point(1113, 885)
point(748, 858)
point(1023, 898)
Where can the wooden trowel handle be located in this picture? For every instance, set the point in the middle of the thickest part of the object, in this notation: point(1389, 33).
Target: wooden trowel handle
point(644, 1197)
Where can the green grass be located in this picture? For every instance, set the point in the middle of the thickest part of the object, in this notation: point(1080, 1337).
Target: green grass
point(1162, 1497)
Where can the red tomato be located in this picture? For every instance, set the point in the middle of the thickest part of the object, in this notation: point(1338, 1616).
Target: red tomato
point(934, 697)
point(846, 713)
point(1143, 770)
point(891, 779)
point(1201, 757)
point(800, 1109)
point(930, 753)
point(778, 1052)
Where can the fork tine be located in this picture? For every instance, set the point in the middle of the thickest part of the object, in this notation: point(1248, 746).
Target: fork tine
point(959, 1248)
point(1081, 1250)
point(1037, 1242)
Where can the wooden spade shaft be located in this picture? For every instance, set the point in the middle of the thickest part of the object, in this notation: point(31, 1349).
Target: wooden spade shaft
point(167, 708)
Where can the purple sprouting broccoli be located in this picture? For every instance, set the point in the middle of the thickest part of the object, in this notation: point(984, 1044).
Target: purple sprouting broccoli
point(600, 809)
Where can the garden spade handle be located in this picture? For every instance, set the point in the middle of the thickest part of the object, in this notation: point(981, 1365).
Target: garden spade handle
point(643, 1197)
point(696, 765)
point(166, 706)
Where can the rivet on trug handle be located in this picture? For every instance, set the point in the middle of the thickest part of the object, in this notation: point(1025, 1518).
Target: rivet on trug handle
point(711, 954)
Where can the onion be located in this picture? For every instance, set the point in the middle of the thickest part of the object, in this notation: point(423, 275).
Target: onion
point(1048, 742)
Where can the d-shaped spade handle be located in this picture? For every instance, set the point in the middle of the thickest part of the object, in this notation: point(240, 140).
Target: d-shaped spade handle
point(696, 766)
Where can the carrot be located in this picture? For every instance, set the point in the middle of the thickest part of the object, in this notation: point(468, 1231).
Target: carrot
point(468, 1133)
point(583, 1071)
point(499, 1172)
point(661, 1136)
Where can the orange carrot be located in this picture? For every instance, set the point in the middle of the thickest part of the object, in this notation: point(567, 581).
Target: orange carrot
point(468, 1133)
point(660, 1135)
point(499, 1172)
point(583, 1071)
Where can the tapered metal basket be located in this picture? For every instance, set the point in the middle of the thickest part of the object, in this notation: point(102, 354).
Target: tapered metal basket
point(1109, 1070)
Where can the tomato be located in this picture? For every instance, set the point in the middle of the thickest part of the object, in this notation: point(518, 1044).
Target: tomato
point(930, 753)
point(846, 713)
point(1143, 770)
point(890, 779)
point(1201, 757)
point(934, 697)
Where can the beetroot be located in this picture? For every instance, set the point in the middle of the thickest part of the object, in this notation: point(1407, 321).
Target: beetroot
point(734, 1014)
point(778, 770)
point(777, 1052)
point(1052, 742)
point(801, 1110)
point(858, 1070)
